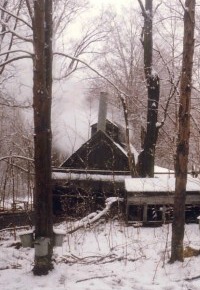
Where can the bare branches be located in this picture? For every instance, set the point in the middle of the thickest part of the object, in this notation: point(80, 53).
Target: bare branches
point(9, 26)
point(173, 91)
point(92, 35)
point(64, 14)
point(142, 7)
point(12, 36)
point(158, 5)
point(17, 157)
point(17, 50)
point(144, 12)
point(15, 16)
point(15, 59)
point(8, 103)
point(15, 33)
point(29, 10)
point(96, 259)
point(92, 69)
point(195, 123)
point(180, 1)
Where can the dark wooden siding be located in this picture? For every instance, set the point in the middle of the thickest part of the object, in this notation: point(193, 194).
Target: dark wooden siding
point(112, 130)
point(100, 152)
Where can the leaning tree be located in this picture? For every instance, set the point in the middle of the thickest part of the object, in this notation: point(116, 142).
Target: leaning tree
point(182, 150)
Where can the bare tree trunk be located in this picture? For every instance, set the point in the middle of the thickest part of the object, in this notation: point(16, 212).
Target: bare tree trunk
point(131, 157)
point(146, 158)
point(182, 150)
point(42, 96)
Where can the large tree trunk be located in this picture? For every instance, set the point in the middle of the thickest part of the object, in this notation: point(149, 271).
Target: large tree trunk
point(42, 95)
point(146, 158)
point(183, 133)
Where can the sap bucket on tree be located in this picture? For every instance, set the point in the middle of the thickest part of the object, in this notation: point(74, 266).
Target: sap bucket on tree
point(26, 239)
point(41, 246)
point(58, 236)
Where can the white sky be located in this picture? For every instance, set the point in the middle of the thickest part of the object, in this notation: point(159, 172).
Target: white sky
point(70, 115)
point(71, 126)
point(116, 3)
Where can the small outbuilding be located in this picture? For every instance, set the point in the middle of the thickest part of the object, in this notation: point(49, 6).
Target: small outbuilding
point(100, 152)
point(95, 171)
point(150, 200)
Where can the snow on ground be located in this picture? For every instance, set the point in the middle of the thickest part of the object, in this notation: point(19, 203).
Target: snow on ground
point(107, 256)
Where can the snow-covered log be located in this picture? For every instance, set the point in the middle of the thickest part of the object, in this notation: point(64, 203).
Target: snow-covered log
point(95, 216)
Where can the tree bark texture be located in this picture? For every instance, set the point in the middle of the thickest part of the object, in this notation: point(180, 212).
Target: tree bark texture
point(131, 157)
point(146, 158)
point(42, 97)
point(182, 151)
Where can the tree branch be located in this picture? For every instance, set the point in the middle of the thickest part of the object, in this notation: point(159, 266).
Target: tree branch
point(195, 123)
point(12, 36)
point(16, 156)
point(182, 5)
point(92, 69)
point(17, 50)
point(15, 33)
point(14, 59)
point(158, 5)
point(142, 8)
point(15, 16)
point(174, 89)
point(29, 10)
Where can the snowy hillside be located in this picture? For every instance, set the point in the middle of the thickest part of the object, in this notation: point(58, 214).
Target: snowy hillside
point(107, 256)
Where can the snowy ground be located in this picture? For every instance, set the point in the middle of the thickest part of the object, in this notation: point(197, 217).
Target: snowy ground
point(107, 256)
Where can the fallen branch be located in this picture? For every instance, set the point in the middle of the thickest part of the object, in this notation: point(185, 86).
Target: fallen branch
point(110, 258)
point(95, 216)
point(72, 259)
point(15, 228)
point(4, 268)
point(192, 278)
point(13, 266)
point(122, 258)
point(97, 277)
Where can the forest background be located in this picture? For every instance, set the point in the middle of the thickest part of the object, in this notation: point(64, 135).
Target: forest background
point(107, 55)
point(112, 45)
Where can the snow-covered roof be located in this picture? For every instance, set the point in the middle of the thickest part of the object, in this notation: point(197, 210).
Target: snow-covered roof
point(159, 169)
point(121, 148)
point(86, 176)
point(158, 184)
point(124, 151)
point(134, 152)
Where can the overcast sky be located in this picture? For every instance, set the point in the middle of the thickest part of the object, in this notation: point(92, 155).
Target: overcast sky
point(116, 3)
point(72, 119)
point(70, 115)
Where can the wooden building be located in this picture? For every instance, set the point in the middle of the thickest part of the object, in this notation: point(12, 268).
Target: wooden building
point(100, 169)
point(150, 200)
point(95, 171)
